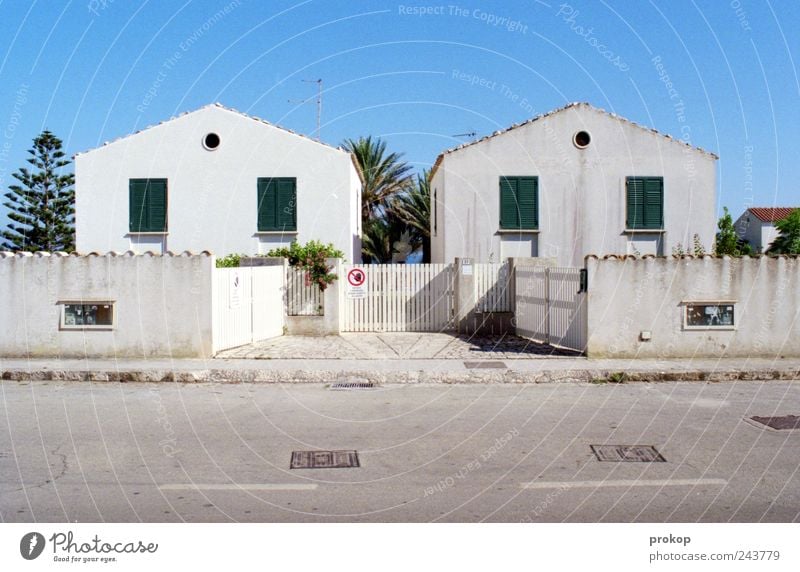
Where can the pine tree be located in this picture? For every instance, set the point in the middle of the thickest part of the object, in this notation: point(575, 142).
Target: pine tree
point(42, 206)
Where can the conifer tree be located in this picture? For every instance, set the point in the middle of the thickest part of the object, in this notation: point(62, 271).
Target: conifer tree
point(42, 206)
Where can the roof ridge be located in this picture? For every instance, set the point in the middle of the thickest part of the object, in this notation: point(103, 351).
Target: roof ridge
point(559, 110)
point(215, 104)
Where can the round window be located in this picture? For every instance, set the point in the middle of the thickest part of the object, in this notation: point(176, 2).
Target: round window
point(582, 139)
point(211, 141)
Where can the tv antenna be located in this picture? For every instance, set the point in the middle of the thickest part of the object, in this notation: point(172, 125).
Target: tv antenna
point(471, 135)
point(319, 102)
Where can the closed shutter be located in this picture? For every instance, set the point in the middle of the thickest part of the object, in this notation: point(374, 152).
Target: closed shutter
point(645, 203)
point(509, 212)
point(277, 204)
point(654, 203)
point(519, 203)
point(528, 198)
point(147, 205)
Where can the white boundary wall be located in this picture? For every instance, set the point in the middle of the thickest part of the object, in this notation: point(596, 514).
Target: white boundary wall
point(162, 305)
point(247, 305)
point(630, 296)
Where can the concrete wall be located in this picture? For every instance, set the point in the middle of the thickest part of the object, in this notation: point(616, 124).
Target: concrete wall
point(581, 191)
point(162, 305)
point(627, 297)
point(212, 201)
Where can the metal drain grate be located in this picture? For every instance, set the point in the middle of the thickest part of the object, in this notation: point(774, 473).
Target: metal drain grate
point(324, 460)
point(627, 454)
point(784, 423)
point(353, 385)
point(485, 365)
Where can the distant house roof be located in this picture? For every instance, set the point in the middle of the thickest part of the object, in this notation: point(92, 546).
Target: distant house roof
point(771, 214)
point(559, 110)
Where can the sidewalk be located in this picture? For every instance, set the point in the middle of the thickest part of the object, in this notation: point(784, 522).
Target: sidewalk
point(551, 370)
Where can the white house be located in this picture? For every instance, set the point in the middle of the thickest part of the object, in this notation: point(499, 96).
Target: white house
point(572, 182)
point(757, 225)
point(219, 180)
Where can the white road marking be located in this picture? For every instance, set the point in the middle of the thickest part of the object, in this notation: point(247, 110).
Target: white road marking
point(625, 483)
point(238, 487)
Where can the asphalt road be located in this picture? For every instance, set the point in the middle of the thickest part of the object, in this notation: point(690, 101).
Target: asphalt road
point(221, 453)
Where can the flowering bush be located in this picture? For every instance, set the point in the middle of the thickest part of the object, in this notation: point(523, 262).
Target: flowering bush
point(311, 258)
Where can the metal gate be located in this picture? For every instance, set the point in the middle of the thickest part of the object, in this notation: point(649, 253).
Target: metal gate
point(550, 306)
point(397, 297)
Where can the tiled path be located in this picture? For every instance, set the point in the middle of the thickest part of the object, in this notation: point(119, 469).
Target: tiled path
point(396, 346)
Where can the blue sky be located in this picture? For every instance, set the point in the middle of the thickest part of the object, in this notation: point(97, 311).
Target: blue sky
point(416, 74)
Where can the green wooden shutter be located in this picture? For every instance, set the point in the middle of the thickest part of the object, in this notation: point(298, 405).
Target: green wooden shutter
point(509, 211)
point(287, 204)
point(277, 204)
point(266, 205)
point(654, 202)
point(137, 208)
point(157, 207)
point(147, 205)
point(528, 199)
point(635, 203)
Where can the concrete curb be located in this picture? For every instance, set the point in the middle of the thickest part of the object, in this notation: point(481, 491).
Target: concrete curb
point(394, 377)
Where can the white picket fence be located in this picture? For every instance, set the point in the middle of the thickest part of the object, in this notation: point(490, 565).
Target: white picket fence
point(302, 299)
point(399, 298)
point(246, 305)
point(550, 307)
point(492, 287)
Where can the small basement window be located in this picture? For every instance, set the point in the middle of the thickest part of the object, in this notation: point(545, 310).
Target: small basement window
point(211, 141)
point(708, 315)
point(87, 315)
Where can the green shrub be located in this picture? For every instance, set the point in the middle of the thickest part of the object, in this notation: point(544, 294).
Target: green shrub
point(311, 258)
point(230, 261)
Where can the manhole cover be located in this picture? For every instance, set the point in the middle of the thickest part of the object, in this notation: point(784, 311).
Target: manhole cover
point(324, 459)
point(485, 365)
point(353, 385)
point(784, 423)
point(627, 454)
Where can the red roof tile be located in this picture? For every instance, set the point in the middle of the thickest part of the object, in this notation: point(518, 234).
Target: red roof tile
point(771, 214)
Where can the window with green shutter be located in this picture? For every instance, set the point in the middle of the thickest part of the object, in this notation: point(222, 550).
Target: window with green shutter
point(147, 205)
point(645, 203)
point(519, 203)
point(277, 204)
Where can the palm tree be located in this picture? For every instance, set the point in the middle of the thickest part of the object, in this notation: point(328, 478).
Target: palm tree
point(384, 174)
point(788, 241)
point(413, 208)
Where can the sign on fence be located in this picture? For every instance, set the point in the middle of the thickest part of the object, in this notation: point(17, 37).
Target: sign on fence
point(356, 284)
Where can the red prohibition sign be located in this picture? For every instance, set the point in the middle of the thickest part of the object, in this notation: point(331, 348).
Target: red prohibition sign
point(356, 277)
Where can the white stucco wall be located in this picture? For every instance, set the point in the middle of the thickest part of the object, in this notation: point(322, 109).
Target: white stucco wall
point(162, 305)
point(629, 296)
point(581, 191)
point(757, 233)
point(212, 201)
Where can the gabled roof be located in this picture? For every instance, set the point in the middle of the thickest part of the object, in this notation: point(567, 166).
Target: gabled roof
point(230, 109)
point(554, 112)
point(771, 214)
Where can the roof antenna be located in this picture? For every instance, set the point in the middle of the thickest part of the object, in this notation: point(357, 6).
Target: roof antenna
point(471, 135)
point(319, 102)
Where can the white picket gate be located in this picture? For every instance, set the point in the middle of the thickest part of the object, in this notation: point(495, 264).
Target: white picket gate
point(550, 307)
point(398, 298)
point(492, 287)
point(302, 299)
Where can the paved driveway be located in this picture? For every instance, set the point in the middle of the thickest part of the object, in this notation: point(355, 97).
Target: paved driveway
point(396, 346)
